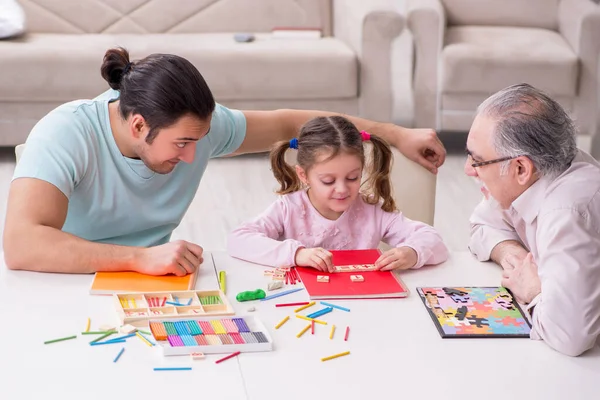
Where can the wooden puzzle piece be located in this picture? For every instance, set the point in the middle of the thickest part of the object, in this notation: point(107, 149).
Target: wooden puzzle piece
point(323, 278)
point(357, 278)
point(461, 313)
point(354, 268)
point(127, 329)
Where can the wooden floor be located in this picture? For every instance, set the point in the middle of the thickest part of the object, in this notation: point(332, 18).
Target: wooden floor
point(228, 195)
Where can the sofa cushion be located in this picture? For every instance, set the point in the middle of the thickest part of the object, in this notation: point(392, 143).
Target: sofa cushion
point(486, 59)
point(63, 67)
point(525, 13)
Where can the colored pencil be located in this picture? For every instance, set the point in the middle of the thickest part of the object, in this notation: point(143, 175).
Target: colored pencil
point(312, 303)
point(119, 355)
point(347, 333)
point(60, 339)
point(283, 321)
point(332, 330)
point(227, 357)
point(292, 304)
point(281, 294)
point(334, 306)
point(335, 356)
point(174, 369)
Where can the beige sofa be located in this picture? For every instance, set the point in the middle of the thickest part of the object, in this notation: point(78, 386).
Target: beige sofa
point(348, 70)
point(467, 49)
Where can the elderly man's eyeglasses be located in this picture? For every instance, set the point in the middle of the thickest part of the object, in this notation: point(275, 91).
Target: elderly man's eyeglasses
point(476, 164)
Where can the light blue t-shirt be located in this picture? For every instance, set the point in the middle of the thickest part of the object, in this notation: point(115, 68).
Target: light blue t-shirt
point(112, 198)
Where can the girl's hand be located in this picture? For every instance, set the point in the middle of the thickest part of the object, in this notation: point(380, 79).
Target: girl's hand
point(317, 258)
point(397, 258)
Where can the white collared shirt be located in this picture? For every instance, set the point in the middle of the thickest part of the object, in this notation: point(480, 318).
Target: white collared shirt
point(558, 221)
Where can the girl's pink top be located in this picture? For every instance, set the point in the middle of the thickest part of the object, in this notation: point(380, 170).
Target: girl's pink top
point(292, 222)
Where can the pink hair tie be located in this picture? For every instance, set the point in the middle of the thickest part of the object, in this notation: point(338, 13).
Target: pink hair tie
point(365, 135)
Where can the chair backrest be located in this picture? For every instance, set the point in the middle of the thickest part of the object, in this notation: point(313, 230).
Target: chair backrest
point(159, 16)
point(18, 151)
point(527, 13)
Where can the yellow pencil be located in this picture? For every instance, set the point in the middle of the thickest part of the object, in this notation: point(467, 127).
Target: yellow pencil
point(222, 280)
point(312, 303)
point(143, 339)
point(335, 356)
point(317, 321)
point(332, 330)
point(133, 300)
point(87, 327)
point(283, 321)
point(303, 330)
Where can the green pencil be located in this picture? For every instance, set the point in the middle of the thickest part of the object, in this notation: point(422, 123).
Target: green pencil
point(60, 340)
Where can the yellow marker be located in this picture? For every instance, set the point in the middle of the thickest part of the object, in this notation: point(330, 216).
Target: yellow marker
point(331, 333)
point(312, 303)
point(222, 280)
point(303, 330)
point(87, 327)
point(143, 339)
point(317, 321)
point(283, 321)
point(335, 356)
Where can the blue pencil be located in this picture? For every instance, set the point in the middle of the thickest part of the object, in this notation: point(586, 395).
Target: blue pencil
point(119, 338)
point(320, 312)
point(119, 355)
point(174, 369)
point(334, 306)
point(100, 343)
point(281, 294)
point(174, 303)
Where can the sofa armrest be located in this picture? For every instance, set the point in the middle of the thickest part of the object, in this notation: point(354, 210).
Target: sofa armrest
point(369, 27)
point(426, 20)
point(579, 24)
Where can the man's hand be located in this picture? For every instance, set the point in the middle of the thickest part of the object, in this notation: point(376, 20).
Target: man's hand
point(421, 146)
point(508, 254)
point(523, 280)
point(398, 258)
point(179, 258)
point(317, 258)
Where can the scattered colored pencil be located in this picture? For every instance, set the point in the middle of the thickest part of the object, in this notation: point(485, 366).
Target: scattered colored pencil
point(60, 339)
point(307, 327)
point(335, 356)
point(317, 321)
point(144, 339)
point(292, 304)
point(312, 303)
point(335, 306)
point(332, 330)
point(347, 333)
point(227, 357)
point(281, 294)
point(99, 338)
point(87, 327)
point(174, 369)
point(312, 327)
point(119, 355)
point(283, 321)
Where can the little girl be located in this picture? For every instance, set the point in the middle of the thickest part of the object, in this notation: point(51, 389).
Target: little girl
point(323, 207)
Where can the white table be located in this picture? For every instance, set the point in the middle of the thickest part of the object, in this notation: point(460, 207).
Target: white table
point(396, 352)
point(36, 307)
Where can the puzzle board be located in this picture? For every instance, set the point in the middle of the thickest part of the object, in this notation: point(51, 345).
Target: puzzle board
point(474, 312)
point(138, 308)
point(210, 335)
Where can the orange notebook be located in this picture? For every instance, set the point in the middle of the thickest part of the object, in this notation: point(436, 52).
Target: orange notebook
point(132, 282)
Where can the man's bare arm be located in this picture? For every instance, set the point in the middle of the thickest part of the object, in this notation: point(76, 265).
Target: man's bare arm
point(263, 128)
point(508, 253)
point(33, 239)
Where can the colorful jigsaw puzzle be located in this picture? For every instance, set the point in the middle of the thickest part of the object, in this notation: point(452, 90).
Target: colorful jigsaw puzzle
point(472, 312)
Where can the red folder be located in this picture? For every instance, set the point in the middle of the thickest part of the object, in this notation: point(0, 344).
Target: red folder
point(376, 284)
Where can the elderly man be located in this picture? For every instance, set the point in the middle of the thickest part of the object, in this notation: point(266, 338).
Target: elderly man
point(540, 218)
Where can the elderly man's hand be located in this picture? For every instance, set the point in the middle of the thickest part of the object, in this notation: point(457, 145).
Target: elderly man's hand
point(523, 280)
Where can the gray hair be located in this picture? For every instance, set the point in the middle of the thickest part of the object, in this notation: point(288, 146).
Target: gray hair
point(530, 123)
